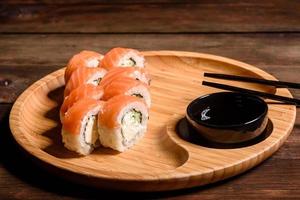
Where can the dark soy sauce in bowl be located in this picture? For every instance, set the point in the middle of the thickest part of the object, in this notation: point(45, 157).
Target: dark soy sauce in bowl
point(228, 117)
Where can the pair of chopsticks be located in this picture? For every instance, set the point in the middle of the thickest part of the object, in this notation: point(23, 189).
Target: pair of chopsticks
point(277, 84)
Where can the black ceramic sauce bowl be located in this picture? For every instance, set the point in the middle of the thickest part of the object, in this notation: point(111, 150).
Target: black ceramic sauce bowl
point(228, 117)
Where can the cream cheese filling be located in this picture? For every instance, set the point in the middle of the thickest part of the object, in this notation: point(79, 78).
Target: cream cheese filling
point(131, 125)
point(90, 131)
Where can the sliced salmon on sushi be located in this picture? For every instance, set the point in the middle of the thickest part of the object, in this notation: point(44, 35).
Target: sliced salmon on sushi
point(84, 76)
point(79, 128)
point(81, 92)
point(83, 59)
point(122, 57)
point(127, 86)
point(140, 74)
point(122, 122)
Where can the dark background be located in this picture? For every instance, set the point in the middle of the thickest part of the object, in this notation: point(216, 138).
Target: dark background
point(38, 37)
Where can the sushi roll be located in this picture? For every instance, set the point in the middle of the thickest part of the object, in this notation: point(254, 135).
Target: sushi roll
point(122, 122)
point(84, 76)
point(79, 128)
point(140, 74)
point(127, 86)
point(122, 57)
point(83, 91)
point(82, 59)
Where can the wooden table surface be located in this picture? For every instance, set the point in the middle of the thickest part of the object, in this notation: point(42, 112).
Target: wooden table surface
point(37, 38)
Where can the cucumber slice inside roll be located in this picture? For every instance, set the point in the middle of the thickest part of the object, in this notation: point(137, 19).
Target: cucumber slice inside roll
point(96, 81)
point(137, 95)
point(129, 62)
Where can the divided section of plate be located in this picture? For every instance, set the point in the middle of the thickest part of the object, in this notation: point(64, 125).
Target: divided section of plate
point(161, 160)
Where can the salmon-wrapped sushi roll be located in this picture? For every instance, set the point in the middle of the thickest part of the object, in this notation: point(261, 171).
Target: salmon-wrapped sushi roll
point(84, 76)
point(79, 128)
point(83, 91)
point(140, 74)
point(127, 86)
point(122, 122)
point(122, 57)
point(83, 59)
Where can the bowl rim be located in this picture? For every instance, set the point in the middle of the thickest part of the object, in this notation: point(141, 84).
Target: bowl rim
point(227, 126)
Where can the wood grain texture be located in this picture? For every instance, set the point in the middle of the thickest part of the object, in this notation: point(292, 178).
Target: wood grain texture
point(207, 16)
point(171, 163)
point(24, 60)
point(273, 179)
point(92, 2)
point(49, 50)
point(276, 178)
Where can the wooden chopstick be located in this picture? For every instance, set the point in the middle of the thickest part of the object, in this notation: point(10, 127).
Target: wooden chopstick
point(278, 84)
point(253, 92)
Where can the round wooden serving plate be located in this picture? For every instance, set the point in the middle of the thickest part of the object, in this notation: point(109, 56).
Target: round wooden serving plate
point(161, 160)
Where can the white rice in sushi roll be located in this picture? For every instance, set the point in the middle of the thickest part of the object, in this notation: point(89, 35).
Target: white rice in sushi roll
point(123, 57)
point(127, 86)
point(122, 122)
point(79, 131)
